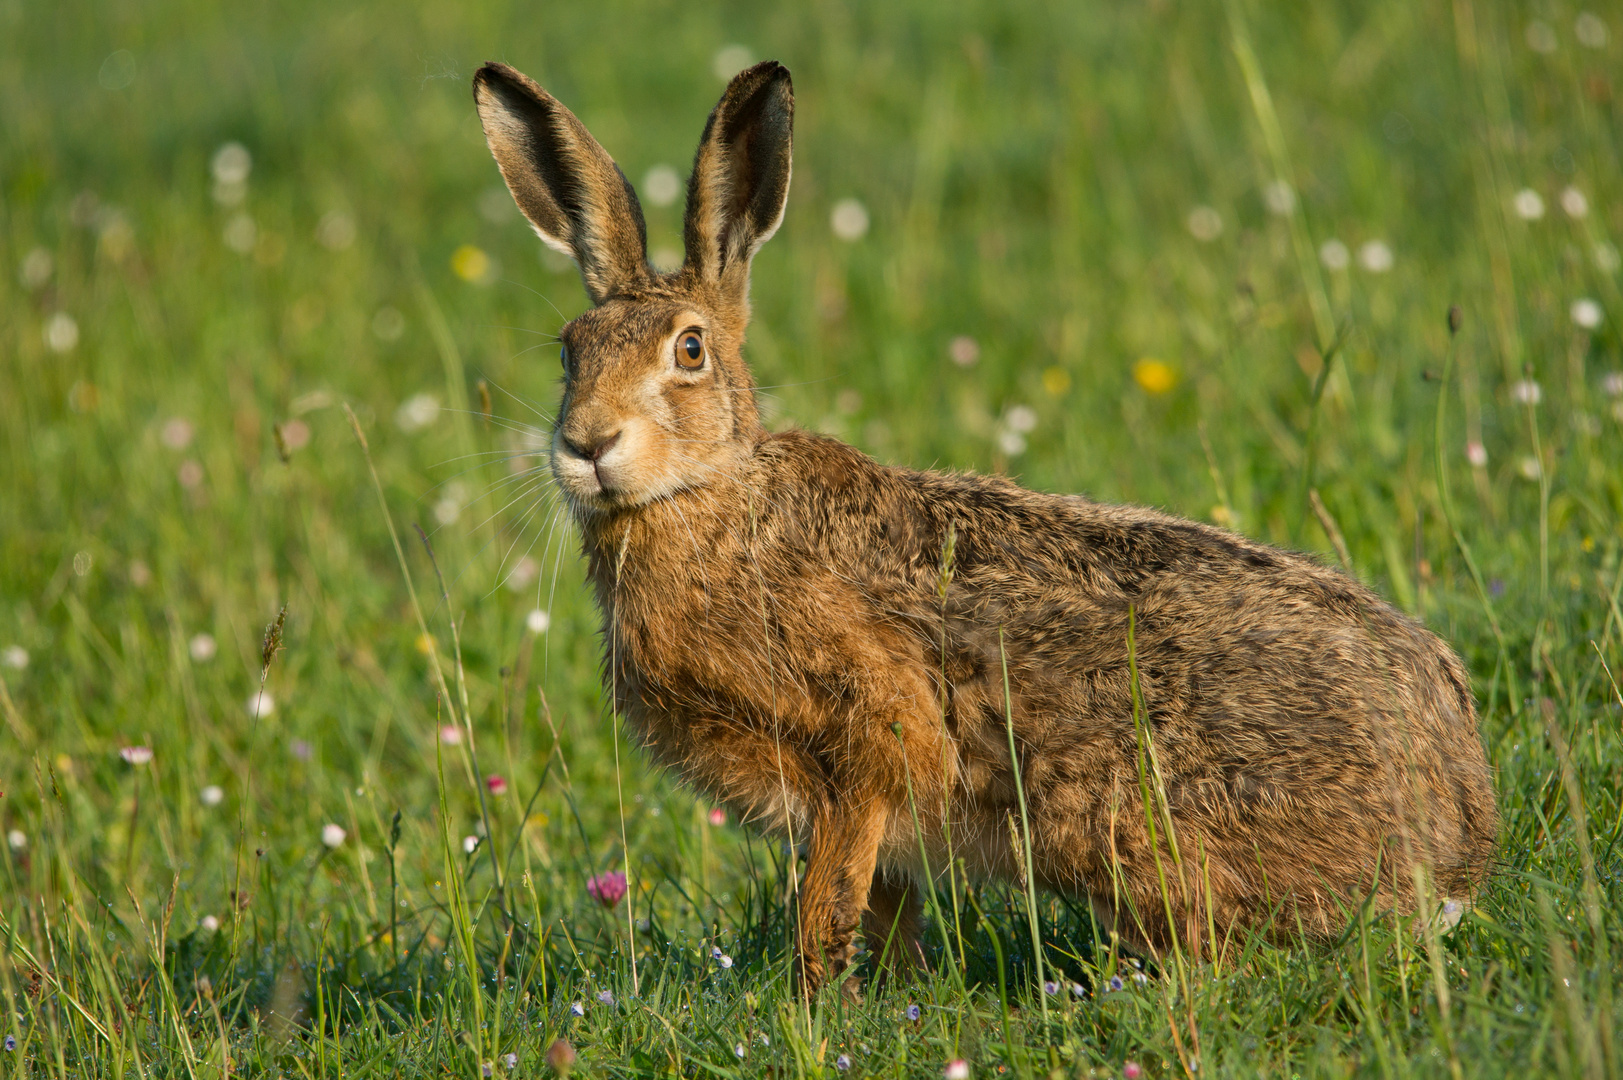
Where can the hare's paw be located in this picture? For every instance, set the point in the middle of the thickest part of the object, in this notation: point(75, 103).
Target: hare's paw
point(890, 925)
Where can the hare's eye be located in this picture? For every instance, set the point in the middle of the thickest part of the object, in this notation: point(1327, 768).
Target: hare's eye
point(690, 351)
point(563, 356)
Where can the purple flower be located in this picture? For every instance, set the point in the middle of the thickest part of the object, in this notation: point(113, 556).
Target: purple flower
point(912, 1012)
point(605, 997)
point(11, 1043)
point(1115, 982)
point(842, 1063)
point(1050, 988)
point(607, 889)
point(578, 1009)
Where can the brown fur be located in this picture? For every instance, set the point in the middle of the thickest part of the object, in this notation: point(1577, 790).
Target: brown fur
point(778, 631)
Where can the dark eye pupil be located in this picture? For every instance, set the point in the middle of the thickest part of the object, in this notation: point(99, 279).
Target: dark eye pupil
point(692, 346)
point(563, 356)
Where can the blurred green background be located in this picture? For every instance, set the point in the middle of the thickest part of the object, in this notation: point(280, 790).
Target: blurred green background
point(1103, 248)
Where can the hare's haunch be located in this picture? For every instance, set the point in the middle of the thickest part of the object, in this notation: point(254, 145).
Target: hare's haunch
point(809, 636)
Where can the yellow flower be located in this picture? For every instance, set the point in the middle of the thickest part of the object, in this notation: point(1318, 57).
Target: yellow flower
point(1056, 380)
point(1154, 376)
point(470, 263)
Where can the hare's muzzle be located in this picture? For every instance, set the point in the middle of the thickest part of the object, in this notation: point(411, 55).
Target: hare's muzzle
point(594, 462)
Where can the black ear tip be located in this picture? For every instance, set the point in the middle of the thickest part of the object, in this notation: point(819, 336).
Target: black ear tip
point(762, 74)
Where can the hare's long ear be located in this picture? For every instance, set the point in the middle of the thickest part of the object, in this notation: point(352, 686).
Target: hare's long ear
point(740, 180)
point(567, 185)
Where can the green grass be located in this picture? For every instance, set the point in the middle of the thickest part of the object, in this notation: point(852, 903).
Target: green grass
point(1029, 172)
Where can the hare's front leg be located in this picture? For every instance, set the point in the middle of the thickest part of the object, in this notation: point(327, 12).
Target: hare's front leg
point(890, 926)
point(844, 848)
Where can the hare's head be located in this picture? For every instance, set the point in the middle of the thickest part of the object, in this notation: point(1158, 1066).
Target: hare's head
point(656, 394)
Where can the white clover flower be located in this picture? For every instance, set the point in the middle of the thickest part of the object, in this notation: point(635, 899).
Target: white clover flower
point(537, 622)
point(957, 1069)
point(240, 234)
point(335, 231)
point(209, 923)
point(1279, 197)
point(37, 267)
point(523, 574)
point(1011, 443)
point(470, 844)
point(176, 433)
point(1334, 255)
point(388, 324)
point(212, 795)
point(1476, 454)
point(1590, 30)
point(1021, 418)
point(1375, 257)
point(662, 185)
point(61, 333)
point(136, 755)
point(231, 163)
point(417, 412)
point(1528, 204)
point(261, 704)
point(964, 350)
point(1204, 224)
point(14, 656)
point(1541, 37)
point(1526, 392)
point(849, 220)
point(1574, 203)
point(1587, 313)
point(17, 839)
point(202, 648)
point(1529, 467)
point(333, 835)
point(730, 60)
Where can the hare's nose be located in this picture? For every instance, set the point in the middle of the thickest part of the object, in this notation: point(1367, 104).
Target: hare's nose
point(593, 449)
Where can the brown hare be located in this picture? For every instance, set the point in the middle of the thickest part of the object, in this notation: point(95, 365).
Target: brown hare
point(825, 643)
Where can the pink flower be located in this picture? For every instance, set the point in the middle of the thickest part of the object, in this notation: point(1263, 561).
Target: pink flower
point(1132, 1070)
point(136, 755)
point(496, 784)
point(451, 735)
point(607, 889)
point(718, 816)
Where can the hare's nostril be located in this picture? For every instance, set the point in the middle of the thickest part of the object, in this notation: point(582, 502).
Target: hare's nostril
point(590, 448)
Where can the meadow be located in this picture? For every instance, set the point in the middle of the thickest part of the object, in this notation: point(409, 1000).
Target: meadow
point(305, 765)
